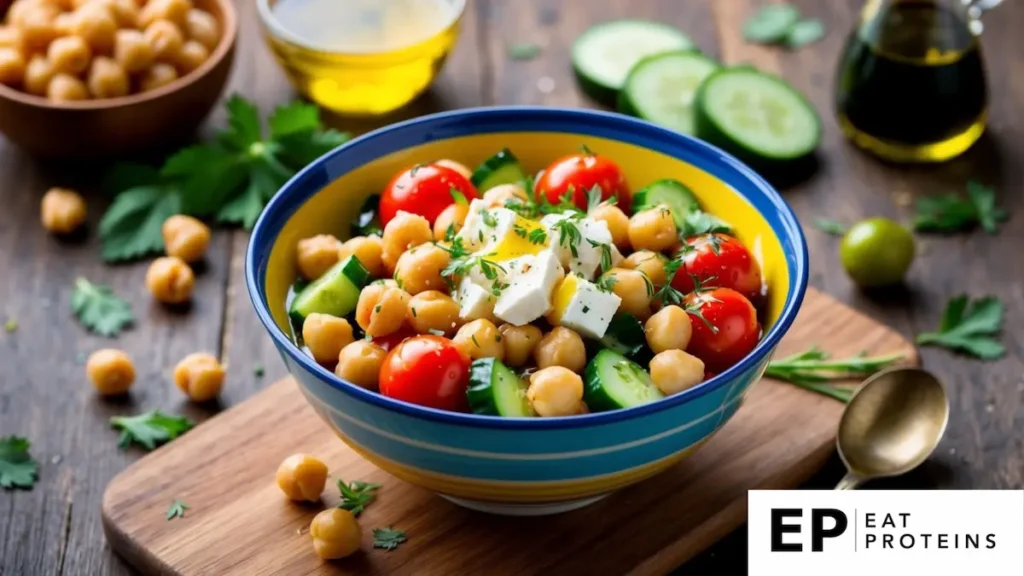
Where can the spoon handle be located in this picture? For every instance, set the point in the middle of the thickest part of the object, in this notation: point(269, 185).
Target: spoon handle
point(849, 482)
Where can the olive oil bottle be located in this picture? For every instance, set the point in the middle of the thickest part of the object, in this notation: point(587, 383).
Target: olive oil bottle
point(911, 80)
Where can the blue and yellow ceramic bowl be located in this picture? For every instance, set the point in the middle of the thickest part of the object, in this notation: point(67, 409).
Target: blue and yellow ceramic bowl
point(536, 465)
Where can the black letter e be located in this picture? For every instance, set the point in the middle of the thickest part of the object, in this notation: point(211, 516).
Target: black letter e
point(779, 528)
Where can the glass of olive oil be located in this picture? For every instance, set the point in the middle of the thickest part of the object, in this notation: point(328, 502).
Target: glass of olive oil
point(361, 57)
point(911, 80)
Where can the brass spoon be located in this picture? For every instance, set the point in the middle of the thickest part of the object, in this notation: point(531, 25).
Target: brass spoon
point(891, 425)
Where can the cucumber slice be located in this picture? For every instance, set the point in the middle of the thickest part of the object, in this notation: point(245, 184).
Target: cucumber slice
point(603, 55)
point(625, 335)
point(611, 381)
point(502, 168)
point(335, 293)
point(661, 88)
point(756, 116)
point(495, 390)
point(673, 194)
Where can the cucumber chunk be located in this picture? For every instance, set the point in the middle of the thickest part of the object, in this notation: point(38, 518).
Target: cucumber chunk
point(603, 55)
point(662, 88)
point(672, 193)
point(756, 116)
point(611, 382)
point(335, 293)
point(495, 390)
point(625, 335)
point(502, 168)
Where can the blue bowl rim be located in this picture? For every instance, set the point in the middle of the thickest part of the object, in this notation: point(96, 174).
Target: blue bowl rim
point(292, 196)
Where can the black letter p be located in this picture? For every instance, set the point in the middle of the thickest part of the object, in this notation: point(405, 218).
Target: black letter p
point(818, 532)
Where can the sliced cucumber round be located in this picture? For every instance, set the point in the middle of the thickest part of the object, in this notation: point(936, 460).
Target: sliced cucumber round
point(661, 88)
point(502, 168)
point(335, 293)
point(756, 116)
point(603, 55)
point(611, 382)
point(672, 193)
point(495, 390)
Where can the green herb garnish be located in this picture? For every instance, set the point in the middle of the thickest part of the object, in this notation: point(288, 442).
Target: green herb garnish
point(99, 309)
point(17, 467)
point(177, 509)
point(952, 213)
point(388, 538)
point(771, 24)
point(523, 51)
point(832, 227)
point(814, 370)
point(969, 327)
point(805, 32)
point(357, 495)
point(150, 428)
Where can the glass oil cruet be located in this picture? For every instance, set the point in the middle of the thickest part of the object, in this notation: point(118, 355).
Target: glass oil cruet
point(911, 80)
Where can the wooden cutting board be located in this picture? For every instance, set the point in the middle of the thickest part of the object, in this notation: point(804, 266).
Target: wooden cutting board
point(239, 523)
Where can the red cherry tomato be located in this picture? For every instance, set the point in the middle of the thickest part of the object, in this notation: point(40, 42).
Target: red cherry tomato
point(427, 370)
point(719, 260)
point(709, 375)
point(391, 340)
point(725, 330)
point(582, 172)
point(424, 189)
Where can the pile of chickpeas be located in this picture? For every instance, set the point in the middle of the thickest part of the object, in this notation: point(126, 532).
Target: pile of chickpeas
point(335, 531)
point(69, 50)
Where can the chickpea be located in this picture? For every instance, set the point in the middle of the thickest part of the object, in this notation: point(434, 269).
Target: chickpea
point(382, 310)
point(555, 391)
point(20, 9)
point(668, 329)
point(389, 282)
point(174, 11)
point(650, 263)
point(200, 376)
point(62, 211)
point(561, 347)
point(480, 339)
point(64, 23)
point(110, 371)
point(635, 290)
point(457, 166)
point(185, 237)
point(325, 336)
point(38, 75)
point(419, 269)
point(366, 249)
point(132, 51)
point(433, 310)
point(107, 79)
point(165, 39)
point(336, 534)
point(653, 229)
point(453, 216)
point(11, 37)
point(96, 25)
point(202, 27)
point(316, 255)
point(302, 477)
point(617, 221)
point(125, 12)
point(37, 27)
point(404, 231)
point(169, 280)
point(156, 76)
point(12, 67)
point(520, 342)
point(501, 194)
point(191, 56)
point(360, 363)
point(673, 371)
point(65, 88)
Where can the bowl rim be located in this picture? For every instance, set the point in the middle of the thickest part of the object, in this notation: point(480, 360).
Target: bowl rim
point(304, 185)
point(229, 23)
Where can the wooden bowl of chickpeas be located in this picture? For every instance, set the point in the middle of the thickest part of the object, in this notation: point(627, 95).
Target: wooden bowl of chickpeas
point(102, 78)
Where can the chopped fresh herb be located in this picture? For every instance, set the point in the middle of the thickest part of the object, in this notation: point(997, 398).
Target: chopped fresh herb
point(17, 467)
point(537, 236)
point(593, 197)
point(952, 213)
point(11, 325)
point(698, 222)
point(606, 283)
point(586, 150)
point(435, 331)
point(568, 235)
point(355, 497)
point(832, 227)
point(814, 370)
point(150, 428)
point(696, 308)
point(586, 308)
point(497, 337)
point(177, 509)
point(475, 343)
point(984, 200)
point(805, 32)
point(648, 285)
point(257, 370)
point(413, 310)
point(674, 264)
point(489, 220)
point(520, 230)
point(388, 538)
point(458, 196)
point(771, 24)
point(969, 327)
point(523, 51)
point(99, 309)
point(449, 233)
point(377, 309)
point(456, 250)
point(606, 254)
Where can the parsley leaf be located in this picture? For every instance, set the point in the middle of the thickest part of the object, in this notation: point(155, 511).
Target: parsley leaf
point(593, 197)
point(832, 227)
point(698, 222)
point(356, 496)
point(458, 197)
point(523, 51)
point(969, 327)
point(150, 428)
point(983, 199)
point(952, 213)
point(130, 227)
point(99, 309)
point(388, 538)
point(17, 467)
point(176, 509)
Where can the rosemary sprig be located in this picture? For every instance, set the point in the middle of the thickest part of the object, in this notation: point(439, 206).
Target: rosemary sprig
point(816, 371)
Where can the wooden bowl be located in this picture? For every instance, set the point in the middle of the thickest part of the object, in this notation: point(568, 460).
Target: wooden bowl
point(125, 126)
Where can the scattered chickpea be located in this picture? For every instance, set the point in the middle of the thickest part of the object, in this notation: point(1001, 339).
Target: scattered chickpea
point(652, 264)
point(366, 249)
point(360, 363)
point(673, 371)
point(499, 195)
point(185, 237)
point(302, 477)
point(62, 211)
point(555, 391)
point(132, 51)
point(191, 56)
point(169, 280)
point(404, 231)
point(381, 309)
point(174, 11)
point(66, 88)
point(325, 336)
point(520, 342)
point(69, 54)
point(165, 39)
point(336, 533)
point(202, 27)
point(433, 310)
point(457, 166)
point(480, 339)
point(633, 287)
point(157, 76)
point(653, 229)
point(94, 23)
point(454, 216)
point(12, 66)
point(38, 75)
point(107, 79)
point(110, 371)
point(561, 347)
point(419, 269)
point(668, 329)
point(617, 221)
point(200, 376)
point(11, 37)
point(316, 255)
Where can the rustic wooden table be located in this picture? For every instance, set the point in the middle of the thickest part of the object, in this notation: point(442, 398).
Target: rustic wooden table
point(55, 528)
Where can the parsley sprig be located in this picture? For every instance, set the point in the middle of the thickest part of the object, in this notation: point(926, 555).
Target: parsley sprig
point(970, 327)
point(388, 538)
point(952, 213)
point(17, 467)
point(99, 309)
point(150, 428)
point(816, 371)
point(569, 234)
point(357, 495)
point(176, 509)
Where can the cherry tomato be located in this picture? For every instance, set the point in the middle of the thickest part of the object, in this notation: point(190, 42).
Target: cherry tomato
point(725, 329)
point(709, 375)
point(391, 340)
point(719, 260)
point(424, 189)
point(427, 370)
point(582, 172)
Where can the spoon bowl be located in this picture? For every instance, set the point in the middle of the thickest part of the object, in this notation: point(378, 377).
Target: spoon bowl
point(891, 425)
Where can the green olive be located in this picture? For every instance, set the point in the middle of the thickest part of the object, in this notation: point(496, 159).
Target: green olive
point(877, 252)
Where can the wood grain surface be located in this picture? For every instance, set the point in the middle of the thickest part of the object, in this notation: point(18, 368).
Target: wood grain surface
point(55, 528)
point(239, 523)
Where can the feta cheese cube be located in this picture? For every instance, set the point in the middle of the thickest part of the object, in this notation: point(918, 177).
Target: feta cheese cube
point(485, 228)
point(594, 237)
point(528, 295)
point(579, 304)
point(475, 301)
